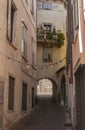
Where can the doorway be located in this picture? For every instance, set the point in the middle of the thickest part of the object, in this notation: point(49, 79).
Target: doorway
point(63, 90)
point(45, 87)
point(33, 97)
point(1, 102)
point(80, 99)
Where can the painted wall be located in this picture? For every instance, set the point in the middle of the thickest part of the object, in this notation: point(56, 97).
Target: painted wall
point(11, 66)
point(78, 52)
point(57, 17)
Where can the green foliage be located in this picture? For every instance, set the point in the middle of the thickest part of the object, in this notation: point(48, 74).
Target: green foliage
point(51, 38)
point(60, 39)
point(49, 35)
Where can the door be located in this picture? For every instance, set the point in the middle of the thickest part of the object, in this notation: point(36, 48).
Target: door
point(33, 97)
point(80, 100)
point(1, 102)
point(63, 90)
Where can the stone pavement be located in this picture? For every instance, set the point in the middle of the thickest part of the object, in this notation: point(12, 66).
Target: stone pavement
point(46, 116)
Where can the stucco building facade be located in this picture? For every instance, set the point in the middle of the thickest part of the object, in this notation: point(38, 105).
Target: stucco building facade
point(18, 59)
point(76, 69)
point(51, 58)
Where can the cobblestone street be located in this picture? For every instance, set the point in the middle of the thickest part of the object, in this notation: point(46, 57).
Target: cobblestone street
point(46, 116)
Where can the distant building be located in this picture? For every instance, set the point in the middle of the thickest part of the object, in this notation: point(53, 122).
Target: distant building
point(51, 50)
point(17, 59)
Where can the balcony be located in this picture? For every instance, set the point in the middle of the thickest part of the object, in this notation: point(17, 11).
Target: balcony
point(50, 38)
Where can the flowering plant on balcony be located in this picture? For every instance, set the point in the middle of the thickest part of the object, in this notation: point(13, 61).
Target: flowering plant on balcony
point(50, 38)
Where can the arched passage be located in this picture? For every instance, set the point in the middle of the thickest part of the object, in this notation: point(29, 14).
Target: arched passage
point(47, 86)
point(44, 87)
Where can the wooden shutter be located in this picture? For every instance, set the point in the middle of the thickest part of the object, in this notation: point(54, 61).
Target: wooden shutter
point(49, 6)
point(33, 51)
point(32, 6)
point(25, 51)
point(9, 19)
point(45, 54)
point(84, 8)
point(11, 93)
point(24, 40)
point(45, 5)
point(76, 19)
point(24, 96)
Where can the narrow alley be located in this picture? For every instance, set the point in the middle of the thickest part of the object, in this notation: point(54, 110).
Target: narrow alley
point(42, 70)
point(46, 116)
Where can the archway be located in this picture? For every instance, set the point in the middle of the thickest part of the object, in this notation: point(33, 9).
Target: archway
point(45, 87)
point(49, 87)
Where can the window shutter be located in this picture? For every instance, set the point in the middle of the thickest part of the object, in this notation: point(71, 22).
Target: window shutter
point(24, 40)
point(76, 7)
point(45, 5)
point(22, 46)
point(11, 93)
point(76, 19)
point(32, 6)
point(45, 55)
point(33, 51)
point(49, 6)
point(25, 51)
point(9, 20)
point(84, 8)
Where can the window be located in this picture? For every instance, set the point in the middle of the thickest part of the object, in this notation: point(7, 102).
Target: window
point(47, 6)
point(24, 40)
point(26, 1)
point(11, 93)
point(75, 14)
point(24, 96)
point(47, 26)
point(39, 5)
point(47, 54)
point(84, 8)
point(58, 31)
point(33, 52)
point(32, 6)
point(10, 19)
